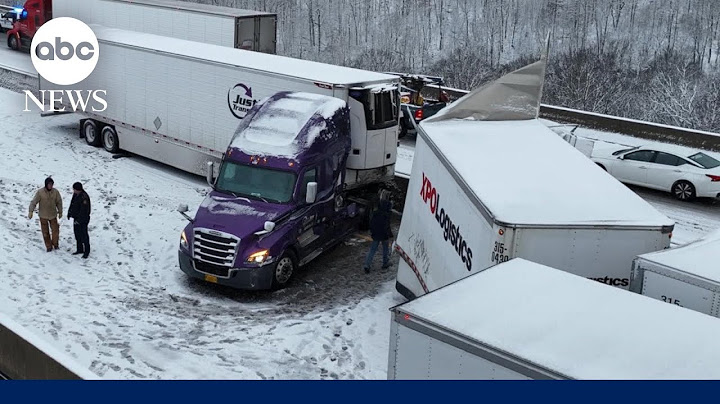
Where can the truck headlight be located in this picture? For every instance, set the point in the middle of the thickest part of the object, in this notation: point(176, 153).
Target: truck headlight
point(183, 240)
point(258, 257)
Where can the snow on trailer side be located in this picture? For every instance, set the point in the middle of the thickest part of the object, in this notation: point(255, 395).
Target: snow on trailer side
point(261, 62)
point(686, 276)
point(225, 26)
point(532, 321)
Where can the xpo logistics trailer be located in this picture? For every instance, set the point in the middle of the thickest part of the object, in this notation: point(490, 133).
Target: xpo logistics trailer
point(225, 26)
point(686, 276)
point(179, 102)
point(522, 320)
point(489, 183)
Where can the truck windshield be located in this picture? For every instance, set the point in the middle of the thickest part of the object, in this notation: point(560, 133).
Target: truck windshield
point(256, 182)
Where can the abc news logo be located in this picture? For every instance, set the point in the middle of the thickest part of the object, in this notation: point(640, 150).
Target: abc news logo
point(65, 51)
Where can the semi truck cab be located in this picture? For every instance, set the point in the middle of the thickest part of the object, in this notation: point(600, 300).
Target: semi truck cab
point(34, 14)
point(277, 201)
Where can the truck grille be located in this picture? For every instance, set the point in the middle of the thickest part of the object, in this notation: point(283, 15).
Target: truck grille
point(214, 251)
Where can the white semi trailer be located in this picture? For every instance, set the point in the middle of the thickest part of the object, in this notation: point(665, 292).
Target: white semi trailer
point(686, 276)
point(489, 183)
point(179, 102)
point(209, 24)
point(520, 320)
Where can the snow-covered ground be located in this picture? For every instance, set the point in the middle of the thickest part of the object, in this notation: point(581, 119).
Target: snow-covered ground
point(129, 312)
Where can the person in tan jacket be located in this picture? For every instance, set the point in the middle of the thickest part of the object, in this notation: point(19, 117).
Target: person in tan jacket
point(50, 211)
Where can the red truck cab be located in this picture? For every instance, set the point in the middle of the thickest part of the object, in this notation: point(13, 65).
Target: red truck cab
point(35, 13)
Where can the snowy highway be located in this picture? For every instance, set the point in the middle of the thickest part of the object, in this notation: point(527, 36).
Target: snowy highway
point(129, 312)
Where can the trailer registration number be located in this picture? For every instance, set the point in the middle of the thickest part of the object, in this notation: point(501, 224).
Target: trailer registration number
point(497, 254)
point(211, 278)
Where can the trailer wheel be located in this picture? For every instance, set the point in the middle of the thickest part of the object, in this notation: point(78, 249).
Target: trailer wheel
point(110, 140)
point(13, 42)
point(284, 269)
point(90, 132)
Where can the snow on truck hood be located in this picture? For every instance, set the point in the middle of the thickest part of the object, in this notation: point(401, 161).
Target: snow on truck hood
point(575, 326)
point(238, 216)
point(526, 174)
point(698, 258)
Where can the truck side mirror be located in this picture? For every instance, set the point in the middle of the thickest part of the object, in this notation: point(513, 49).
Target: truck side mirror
point(210, 174)
point(183, 211)
point(311, 193)
point(269, 226)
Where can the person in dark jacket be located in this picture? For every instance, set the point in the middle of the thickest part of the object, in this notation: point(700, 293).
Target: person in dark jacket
point(80, 211)
point(381, 234)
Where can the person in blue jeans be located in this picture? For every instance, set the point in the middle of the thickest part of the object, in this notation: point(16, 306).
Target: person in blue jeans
point(381, 234)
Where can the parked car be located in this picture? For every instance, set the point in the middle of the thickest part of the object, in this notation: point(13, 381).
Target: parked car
point(682, 171)
point(413, 106)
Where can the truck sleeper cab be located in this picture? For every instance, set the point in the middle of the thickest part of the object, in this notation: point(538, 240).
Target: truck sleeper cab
point(277, 201)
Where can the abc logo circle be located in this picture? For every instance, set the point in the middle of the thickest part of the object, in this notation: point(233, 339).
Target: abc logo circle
point(64, 51)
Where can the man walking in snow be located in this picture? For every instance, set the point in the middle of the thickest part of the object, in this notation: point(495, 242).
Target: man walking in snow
point(381, 234)
point(50, 211)
point(80, 211)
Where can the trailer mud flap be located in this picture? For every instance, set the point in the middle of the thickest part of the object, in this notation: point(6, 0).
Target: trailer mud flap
point(410, 262)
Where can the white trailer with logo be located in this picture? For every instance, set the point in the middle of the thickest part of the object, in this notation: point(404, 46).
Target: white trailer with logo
point(210, 24)
point(179, 102)
point(686, 276)
point(490, 183)
point(520, 320)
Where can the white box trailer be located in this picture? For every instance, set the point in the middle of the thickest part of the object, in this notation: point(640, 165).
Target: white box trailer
point(225, 26)
point(179, 102)
point(686, 276)
point(482, 192)
point(521, 320)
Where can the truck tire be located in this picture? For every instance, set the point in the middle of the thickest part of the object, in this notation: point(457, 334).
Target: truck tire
point(110, 140)
point(13, 42)
point(284, 270)
point(90, 132)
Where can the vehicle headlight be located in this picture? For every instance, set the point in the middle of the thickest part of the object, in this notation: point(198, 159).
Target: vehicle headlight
point(183, 240)
point(258, 257)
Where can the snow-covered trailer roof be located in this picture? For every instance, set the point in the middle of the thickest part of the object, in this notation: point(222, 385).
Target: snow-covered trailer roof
point(699, 258)
point(521, 173)
point(569, 326)
point(263, 62)
point(197, 7)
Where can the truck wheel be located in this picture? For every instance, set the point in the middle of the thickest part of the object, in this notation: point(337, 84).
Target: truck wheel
point(110, 140)
point(90, 132)
point(284, 269)
point(13, 42)
point(683, 191)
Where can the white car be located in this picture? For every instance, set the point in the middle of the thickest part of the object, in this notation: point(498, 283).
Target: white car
point(684, 172)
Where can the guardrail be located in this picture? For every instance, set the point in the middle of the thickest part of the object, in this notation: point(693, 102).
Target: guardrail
point(639, 129)
point(25, 356)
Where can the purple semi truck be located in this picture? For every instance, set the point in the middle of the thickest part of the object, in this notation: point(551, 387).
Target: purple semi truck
point(280, 198)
